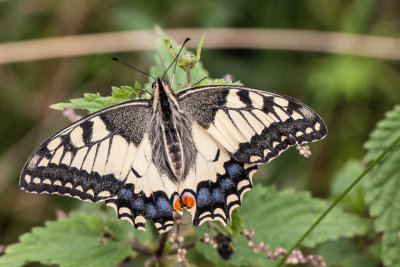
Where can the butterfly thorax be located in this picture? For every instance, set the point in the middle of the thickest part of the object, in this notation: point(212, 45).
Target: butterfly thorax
point(166, 110)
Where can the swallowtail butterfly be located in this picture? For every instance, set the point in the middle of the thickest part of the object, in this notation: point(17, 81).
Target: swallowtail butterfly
point(197, 148)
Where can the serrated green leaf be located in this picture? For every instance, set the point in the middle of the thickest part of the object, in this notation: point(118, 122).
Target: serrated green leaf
point(383, 183)
point(95, 102)
point(74, 241)
point(280, 218)
point(387, 130)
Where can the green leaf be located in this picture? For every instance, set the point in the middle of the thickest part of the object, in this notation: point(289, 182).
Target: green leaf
point(95, 102)
point(354, 200)
point(279, 219)
point(382, 186)
point(347, 252)
point(387, 130)
point(236, 225)
point(74, 241)
point(217, 82)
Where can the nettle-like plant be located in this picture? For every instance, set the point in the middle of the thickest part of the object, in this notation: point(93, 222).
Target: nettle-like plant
point(265, 231)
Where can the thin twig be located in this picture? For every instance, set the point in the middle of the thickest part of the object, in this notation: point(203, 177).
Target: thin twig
point(369, 167)
point(163, 239)
point(224, 38)
point(143, 250)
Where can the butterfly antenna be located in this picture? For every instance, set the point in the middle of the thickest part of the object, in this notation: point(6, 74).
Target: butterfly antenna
point(126, 64)
point(173, 75)
point(176, 57)
point(199, 81)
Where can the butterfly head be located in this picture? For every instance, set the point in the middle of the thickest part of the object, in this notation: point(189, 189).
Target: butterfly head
point(159, 83)
point(163, 96)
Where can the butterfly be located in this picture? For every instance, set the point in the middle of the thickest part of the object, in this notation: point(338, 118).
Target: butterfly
point(196, 149)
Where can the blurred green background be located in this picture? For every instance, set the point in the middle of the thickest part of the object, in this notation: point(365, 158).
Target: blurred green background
point(351, 93)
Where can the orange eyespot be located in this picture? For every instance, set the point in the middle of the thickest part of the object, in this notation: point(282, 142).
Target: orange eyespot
point(188, 200)
point(177, 204)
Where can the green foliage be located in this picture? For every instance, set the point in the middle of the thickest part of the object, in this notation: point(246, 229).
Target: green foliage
point(81, 240)
point(387, 130)
point(354, 200)
point(349, 76)
point(217, 82)
point(236, 225)
point(347, 252)
point(95, 102)
point(382, 186)
point(280, 218)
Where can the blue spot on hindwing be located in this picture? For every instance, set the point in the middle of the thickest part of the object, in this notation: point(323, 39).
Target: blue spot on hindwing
point(234, 170)
point(217, 195)
point(164, 206)
point(226, 184)
point(151, 211)
point(126, 194)
point(203, 197)
point(138, 204)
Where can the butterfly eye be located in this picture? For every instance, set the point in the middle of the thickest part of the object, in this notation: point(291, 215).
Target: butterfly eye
point(164, 81)
point(153, 85)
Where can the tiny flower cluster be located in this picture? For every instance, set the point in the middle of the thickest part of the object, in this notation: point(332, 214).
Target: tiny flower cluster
point(304, 150)
point(296, 257)
point(208, 240)
point(177, 240)
point(261, 247)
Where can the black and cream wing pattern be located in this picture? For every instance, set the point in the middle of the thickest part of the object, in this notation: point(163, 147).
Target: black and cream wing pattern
point(244, 127)
point(197, 149)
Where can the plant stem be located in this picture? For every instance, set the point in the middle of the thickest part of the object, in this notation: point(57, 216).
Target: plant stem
point(163, 239)
point(186, 246)
point(143, 250)
point(189, 77)
point(369, 167)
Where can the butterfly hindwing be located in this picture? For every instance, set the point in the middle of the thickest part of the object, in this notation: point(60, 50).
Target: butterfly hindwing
point(216, 181)
point(146, 194)
point(91, 158)
point(253, 125)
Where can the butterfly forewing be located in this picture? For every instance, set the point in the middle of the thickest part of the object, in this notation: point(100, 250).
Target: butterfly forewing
point(91, 158)
point(253, 125)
